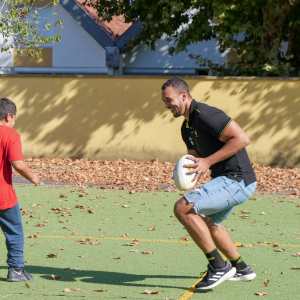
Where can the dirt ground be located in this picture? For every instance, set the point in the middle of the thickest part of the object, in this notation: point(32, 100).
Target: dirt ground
point(148, 175)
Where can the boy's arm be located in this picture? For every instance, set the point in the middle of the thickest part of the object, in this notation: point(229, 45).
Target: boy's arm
point(21, 167)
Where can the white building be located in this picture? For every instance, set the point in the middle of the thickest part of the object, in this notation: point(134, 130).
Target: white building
point(91, 46)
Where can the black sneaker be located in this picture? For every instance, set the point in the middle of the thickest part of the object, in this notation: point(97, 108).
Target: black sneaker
point(243, 275)
point(18, 274)
point(214, 277)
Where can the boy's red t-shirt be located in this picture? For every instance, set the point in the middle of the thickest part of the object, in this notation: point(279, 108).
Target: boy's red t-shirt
point(10, 149)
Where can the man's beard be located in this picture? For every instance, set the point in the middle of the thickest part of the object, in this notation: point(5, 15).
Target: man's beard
point(177, 115)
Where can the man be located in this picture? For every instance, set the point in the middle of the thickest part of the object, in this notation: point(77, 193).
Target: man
point(216, 142)
point(10, 216)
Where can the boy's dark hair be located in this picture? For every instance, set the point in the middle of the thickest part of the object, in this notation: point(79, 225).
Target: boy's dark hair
point(7, 107)
point(178, 84)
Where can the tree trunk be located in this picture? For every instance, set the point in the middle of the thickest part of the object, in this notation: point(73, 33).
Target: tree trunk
point(272, 27)
point(294, 49)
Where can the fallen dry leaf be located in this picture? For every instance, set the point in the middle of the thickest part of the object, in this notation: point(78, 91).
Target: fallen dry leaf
point(134, 250)
point(75, 232)
point(295, 268)
point(150, 292)
point(297, 254)
point(117, 257)
point(152, 228)
point(266, 282)
point(33, 236)
point(79, 206)
point(245, 217)
point(263, 213)
point(261, 294)
point(183, 239)
point(51, 255)
point(27, 285)
point(39, 225)
point(125, 206)
point(55, 277)
point(99, 290)
point(67, 290)
point(75, 289)
point(279, 250)
point(94, 243)
point(147, 252)
point(90, 211)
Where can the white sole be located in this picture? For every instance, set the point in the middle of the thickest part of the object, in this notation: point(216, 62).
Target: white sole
point(243, 278)
point(224, 278)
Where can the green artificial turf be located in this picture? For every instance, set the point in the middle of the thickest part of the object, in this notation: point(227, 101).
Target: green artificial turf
point(171, 269)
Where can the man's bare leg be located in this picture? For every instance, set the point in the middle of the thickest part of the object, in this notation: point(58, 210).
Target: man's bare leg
point(194, 224)
point(218, 269)
point(225, 244)
point(222, 239)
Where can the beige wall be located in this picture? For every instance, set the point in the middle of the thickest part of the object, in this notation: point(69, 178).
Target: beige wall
point(124, 117)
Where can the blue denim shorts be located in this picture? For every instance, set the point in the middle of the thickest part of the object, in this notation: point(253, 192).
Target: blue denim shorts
point(217, 198)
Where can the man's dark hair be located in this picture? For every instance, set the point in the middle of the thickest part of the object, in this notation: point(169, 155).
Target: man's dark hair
point(7, 107)
point(178, 84)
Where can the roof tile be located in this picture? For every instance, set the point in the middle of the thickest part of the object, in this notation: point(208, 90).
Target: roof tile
point(115, 28)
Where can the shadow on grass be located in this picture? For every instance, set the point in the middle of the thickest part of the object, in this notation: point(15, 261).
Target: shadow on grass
point(102, 277)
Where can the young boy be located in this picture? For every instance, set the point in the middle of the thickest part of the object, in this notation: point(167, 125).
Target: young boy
point(10, 216)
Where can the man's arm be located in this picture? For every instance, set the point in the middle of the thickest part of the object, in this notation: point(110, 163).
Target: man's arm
point(235, 139)
point(21, 167)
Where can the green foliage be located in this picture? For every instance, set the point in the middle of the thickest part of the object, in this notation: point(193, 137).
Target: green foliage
point(234, 24)
point(19, 20)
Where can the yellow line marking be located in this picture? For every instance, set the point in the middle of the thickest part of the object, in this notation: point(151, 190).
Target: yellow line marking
point(105, 238)
point(271, 245)
point(237, 244)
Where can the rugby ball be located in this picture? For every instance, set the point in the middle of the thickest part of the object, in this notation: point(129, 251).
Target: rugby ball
point(182, 181)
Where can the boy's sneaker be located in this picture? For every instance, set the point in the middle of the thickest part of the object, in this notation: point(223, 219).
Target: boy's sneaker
point(214, 277)
point(243, 275)
point(18, 274)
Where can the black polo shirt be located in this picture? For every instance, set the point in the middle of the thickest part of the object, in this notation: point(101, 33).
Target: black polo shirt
point(203, 132)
